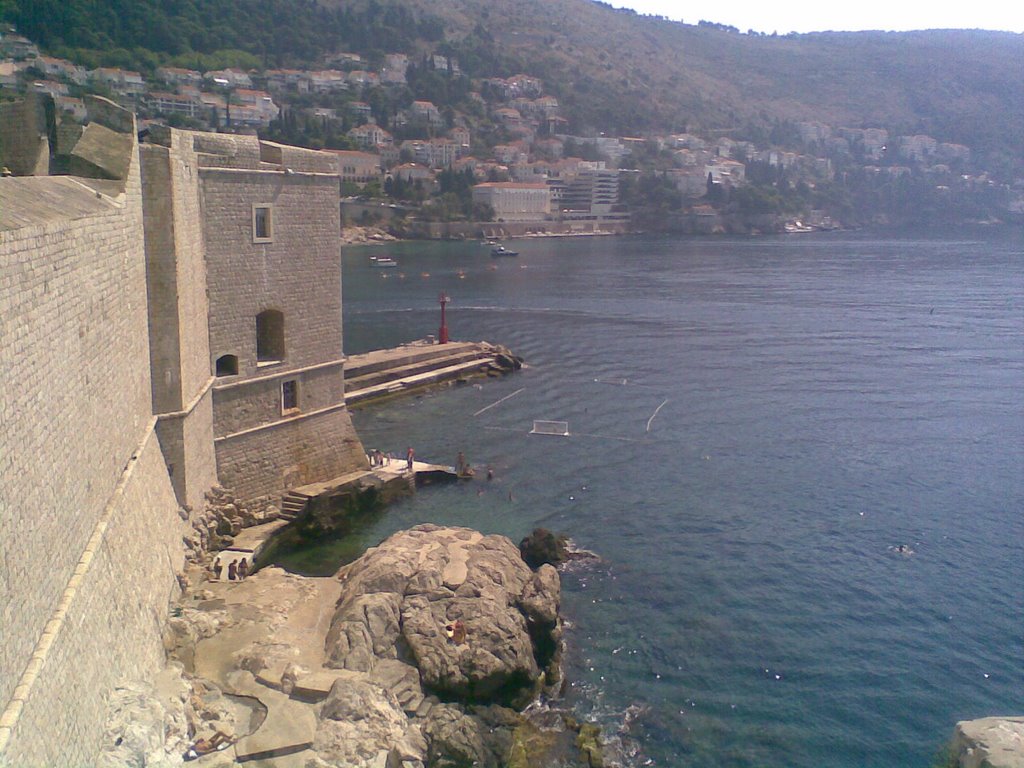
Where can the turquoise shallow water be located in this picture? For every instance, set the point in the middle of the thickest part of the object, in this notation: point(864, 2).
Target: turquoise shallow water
point(819, 400)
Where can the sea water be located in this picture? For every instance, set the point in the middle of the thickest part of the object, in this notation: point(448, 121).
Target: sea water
point(756, 427)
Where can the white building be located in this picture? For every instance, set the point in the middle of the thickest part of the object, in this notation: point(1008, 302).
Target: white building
point(515, 201)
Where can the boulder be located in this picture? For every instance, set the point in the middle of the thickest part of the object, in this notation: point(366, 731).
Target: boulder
point(990, 742)
point(495, 663)
point(364, 628)
point(462, 607)
point(542, 546)
point(456, 739)
point(403, 680)
point(359, 721)
point(539, 600)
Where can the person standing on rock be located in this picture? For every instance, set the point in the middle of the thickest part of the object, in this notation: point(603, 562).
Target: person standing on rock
point(232, 571)
point(243, 569)
point(218, 568)
point(409, 455)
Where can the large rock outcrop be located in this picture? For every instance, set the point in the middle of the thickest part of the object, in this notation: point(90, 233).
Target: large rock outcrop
point(991, 742)
point(463, 608)
point(409, 660)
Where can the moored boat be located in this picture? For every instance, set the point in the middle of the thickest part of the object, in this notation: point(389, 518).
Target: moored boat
point(501, 250)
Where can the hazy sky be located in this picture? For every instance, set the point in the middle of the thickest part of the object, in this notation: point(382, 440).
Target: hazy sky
point(793, 16)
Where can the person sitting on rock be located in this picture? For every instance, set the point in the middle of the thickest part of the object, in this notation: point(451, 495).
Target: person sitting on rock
point(456, 631)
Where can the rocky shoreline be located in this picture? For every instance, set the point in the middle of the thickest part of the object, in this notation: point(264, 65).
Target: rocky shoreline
point(423, 652)
point(439, 648)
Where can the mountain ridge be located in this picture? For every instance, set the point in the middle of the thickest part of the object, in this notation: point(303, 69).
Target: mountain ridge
point(613, 70)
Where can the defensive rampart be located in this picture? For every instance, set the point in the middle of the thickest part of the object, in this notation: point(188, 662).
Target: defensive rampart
point(88, 521)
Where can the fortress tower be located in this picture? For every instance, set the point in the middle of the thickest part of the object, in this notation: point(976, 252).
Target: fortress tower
point(244, 251)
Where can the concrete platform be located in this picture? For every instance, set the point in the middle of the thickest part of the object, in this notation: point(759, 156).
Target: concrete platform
point(410, 367)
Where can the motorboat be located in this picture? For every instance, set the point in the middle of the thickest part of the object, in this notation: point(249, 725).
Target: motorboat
point(382, 262)
point(501, 250)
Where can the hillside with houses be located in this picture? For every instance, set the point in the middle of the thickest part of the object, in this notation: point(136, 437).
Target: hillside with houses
point(423, 138)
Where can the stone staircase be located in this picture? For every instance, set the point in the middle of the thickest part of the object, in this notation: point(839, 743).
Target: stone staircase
point(293, 504)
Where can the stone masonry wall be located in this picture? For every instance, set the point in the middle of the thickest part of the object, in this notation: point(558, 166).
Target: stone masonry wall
point(180, 346)
point(113, 627)
point(177, 272)
point(299, 273)
point(89, 528)
point(289, 454)
point(74, 402)
point(187, 443)
point(251, 404)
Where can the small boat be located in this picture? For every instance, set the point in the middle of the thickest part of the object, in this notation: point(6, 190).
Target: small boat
point(382, 262)
point(501, 250)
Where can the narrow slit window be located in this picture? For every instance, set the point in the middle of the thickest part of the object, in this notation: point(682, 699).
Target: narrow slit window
point(262, 224)
point(289, 395)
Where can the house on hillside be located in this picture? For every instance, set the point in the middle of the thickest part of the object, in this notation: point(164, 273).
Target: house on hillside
point(371, 136)
point(236, 78)
point(461, 136)
point(124, 82)
point(63, 69)
point(287, 80)
point(359, 110)
point(358, 167)
point(361, 78)
point(17, 47)
point(327, 81)
point(164, 103)
point(179, 76)
point(525, 85)
point(426, 112)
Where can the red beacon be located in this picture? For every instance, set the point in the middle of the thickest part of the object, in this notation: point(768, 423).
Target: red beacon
point(442, 332)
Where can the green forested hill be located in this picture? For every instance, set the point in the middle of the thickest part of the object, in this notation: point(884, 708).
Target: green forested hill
point(272, 32)
point(613, 70)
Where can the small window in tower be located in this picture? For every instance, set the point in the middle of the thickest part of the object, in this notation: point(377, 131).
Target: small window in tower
point(227, 365)
point(289, 395)
point(262, 224)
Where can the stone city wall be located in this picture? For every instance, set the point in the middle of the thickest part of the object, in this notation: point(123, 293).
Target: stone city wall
point(187, 442)
point(177, 272)
point(74, 401)
point(88, 534)
point(112, 630)
point(180, 351)
point(286, 454)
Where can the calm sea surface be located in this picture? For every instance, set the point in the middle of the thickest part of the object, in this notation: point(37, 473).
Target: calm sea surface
point(756, 426)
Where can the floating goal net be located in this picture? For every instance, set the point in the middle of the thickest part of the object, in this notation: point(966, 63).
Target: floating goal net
point(550, 428)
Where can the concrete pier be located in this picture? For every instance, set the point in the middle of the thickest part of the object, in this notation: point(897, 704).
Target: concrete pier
point(411, 367)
